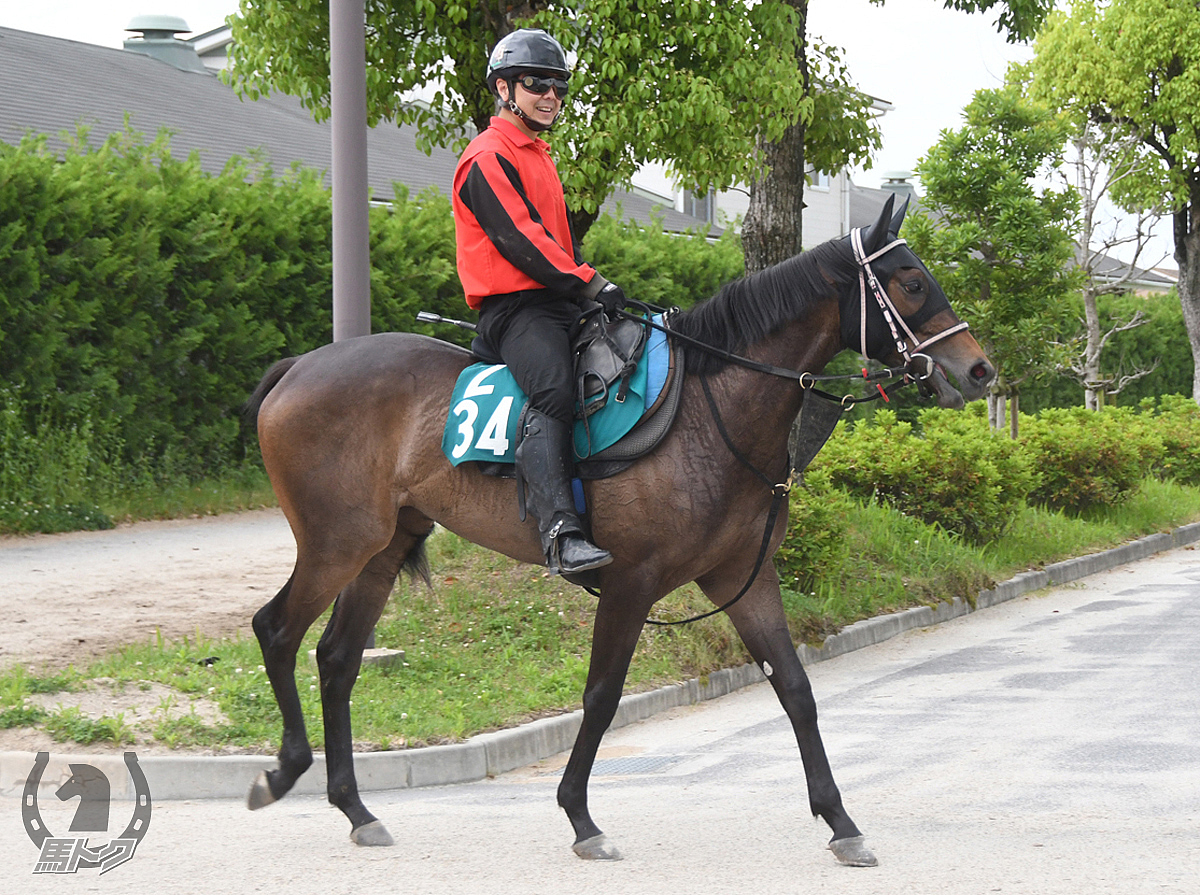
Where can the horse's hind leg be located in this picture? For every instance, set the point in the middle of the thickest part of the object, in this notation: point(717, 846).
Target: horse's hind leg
point(279, 634)
point(280, 627)
point(762, 625)
point(339, 657)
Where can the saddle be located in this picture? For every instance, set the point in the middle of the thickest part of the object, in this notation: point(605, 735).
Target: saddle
point(624, 368)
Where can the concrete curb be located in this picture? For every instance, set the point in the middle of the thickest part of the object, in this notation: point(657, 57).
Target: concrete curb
point(229, 776)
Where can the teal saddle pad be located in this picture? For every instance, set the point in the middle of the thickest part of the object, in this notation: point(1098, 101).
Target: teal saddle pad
point(487, 403)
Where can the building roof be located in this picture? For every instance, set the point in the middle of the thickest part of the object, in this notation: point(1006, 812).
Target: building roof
point(51, 86)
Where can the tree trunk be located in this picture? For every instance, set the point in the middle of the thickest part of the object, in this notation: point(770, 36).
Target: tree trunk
point(1093, 385)
point(771, 231)
point(1187, 255)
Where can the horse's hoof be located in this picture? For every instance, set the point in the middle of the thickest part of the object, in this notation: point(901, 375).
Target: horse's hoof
point(598, 848)
point(374, 833)
point(260, 793)
point(851, 852)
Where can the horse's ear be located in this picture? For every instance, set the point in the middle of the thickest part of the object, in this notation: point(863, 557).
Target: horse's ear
point(877, 237)
point(898, 220)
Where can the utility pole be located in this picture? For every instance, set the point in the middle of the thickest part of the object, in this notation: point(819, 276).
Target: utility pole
point(351, 236)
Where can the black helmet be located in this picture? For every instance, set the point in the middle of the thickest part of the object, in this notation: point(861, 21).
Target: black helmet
point(525, 50)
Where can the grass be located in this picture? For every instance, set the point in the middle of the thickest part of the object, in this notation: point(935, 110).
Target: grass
point(495, 643)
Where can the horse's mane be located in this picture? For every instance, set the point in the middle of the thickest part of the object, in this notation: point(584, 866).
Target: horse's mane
point(750, 309)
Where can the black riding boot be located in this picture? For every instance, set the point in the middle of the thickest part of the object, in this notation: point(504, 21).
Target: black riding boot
point(544, 463)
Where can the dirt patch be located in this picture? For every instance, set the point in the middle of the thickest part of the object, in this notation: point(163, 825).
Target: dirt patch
point(68, 599)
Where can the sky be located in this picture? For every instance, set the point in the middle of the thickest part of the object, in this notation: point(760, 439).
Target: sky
point(925, 60)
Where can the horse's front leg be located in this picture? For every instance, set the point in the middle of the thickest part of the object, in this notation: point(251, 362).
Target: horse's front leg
point(762, 625)
point(614, 637)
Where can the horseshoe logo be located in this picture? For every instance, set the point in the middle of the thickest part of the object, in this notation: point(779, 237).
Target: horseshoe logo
point(81, 856)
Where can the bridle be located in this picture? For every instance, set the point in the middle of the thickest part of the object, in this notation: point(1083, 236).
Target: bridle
point(869, 282)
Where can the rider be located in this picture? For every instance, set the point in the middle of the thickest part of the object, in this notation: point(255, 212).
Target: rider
point(521, 267)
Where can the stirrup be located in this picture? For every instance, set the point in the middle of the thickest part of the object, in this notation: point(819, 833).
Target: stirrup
point(582, 556)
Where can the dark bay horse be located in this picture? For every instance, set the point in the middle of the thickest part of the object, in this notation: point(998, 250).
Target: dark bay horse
point(351, 437)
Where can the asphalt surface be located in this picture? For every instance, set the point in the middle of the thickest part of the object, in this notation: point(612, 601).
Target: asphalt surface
point(1050, 744)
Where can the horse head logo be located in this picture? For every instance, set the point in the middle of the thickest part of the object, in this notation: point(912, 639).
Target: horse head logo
point(93, 790)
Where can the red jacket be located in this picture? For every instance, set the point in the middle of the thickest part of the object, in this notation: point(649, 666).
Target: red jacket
point(510, 220)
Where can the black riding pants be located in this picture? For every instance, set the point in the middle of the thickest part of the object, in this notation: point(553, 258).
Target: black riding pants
point(531, 333)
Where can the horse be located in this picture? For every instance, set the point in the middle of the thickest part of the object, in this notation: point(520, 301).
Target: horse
point(351, 438)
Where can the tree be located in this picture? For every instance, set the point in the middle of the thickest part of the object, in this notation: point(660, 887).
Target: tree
point(1133, 67)
point(999, 246)
point(1100, 166)
point(836, 135)
point(694, 84)
point(839, 132)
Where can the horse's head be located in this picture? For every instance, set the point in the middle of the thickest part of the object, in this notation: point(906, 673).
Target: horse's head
point(908, 319)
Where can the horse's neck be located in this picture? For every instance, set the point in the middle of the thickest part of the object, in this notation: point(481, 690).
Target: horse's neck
point(766, 405)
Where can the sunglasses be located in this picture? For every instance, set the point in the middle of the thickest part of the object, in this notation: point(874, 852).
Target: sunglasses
point(538, 85)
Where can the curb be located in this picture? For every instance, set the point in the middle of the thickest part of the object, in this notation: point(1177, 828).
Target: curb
point(489, 754)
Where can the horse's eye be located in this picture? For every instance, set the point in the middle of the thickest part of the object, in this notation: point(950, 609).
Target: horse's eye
point(913, 287)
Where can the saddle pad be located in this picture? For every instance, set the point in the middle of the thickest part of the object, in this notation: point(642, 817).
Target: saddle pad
point(487, 403)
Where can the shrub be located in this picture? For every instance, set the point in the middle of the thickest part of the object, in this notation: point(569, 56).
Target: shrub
point(816, 542)
point(956, 474)
point(665, 269)
point(1086, 459)
point(1175, 421)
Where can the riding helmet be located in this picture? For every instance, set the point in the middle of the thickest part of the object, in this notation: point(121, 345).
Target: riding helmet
point(525, 50)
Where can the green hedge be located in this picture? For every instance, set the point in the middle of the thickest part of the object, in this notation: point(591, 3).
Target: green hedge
point(142, 298)
point(954, 472)
point(1086, 459)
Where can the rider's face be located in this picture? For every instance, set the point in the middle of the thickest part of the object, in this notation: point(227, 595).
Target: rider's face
point(540, 107)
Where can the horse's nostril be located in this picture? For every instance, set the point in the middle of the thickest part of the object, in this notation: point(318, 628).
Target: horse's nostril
point(981, 371)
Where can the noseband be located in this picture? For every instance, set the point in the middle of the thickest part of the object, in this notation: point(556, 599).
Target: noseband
point(868, 281)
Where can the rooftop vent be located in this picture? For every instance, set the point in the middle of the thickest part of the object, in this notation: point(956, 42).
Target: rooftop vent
point(897, 182)
point(158, 40)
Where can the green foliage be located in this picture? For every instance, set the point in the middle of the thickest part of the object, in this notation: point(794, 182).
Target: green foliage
point(1019, 18)
point(816, 542)
point(1159, 344)
point(692, 84)
point(661, 268)
point(1132, 66)
point(1174, 421)
point(955, 474)
point(1087, 459)
point(1000, 246)
point(71, 725)
point(141, 299)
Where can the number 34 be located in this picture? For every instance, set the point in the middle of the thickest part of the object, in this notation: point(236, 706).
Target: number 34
point(494, 436)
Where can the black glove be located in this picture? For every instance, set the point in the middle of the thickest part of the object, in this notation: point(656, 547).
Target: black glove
point(612, 298)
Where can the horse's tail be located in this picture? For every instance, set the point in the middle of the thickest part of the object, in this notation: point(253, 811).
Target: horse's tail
point(416, 564)
point(269, 381)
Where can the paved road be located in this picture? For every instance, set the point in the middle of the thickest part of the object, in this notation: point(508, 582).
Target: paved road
point(1047, 745)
